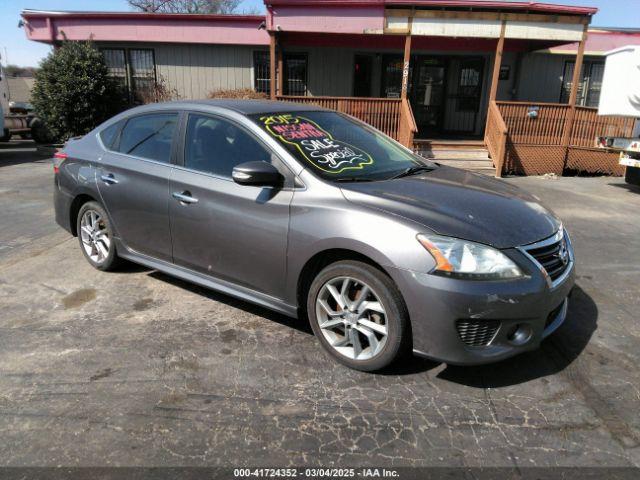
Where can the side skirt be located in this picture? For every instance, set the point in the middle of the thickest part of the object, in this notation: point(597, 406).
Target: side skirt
point(222, 286)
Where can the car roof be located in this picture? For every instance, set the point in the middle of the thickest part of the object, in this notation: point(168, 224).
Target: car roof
point(245, 107)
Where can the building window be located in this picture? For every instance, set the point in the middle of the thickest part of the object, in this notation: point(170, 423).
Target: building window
point(115, 59)
point(134, 69)
point(143, 74)
point(590, 85)
point(261, 72)
point(295, 74)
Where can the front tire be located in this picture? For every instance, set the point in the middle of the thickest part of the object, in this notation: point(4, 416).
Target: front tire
point(95, 235)
point(358, 315)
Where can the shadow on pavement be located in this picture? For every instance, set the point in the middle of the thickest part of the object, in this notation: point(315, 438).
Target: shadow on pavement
point(626, 186)
point(302, 325)
point(556, 353)
point(18, 152)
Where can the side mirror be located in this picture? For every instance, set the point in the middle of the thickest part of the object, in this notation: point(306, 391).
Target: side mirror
point(258, 174)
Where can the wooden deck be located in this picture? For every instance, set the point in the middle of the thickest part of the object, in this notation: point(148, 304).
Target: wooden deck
point(523, 138)
point(538, 138)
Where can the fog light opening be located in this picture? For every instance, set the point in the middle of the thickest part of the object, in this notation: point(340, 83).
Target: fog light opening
point(519, 334)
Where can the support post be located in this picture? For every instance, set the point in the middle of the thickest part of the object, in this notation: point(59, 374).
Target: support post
point(280, 73)
point(497, 63)
point(573, 96)
point(272, 65)
point(407, 59)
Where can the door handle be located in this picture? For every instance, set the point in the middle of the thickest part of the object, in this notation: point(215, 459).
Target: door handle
point(185, 197)
point(109, 179)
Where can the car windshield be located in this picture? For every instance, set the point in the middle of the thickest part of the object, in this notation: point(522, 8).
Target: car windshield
point(338, 148)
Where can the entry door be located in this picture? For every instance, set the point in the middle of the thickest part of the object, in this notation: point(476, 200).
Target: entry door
point(231, 232)
point(133, 182)
point(464, 93)
point(427, 94)
point(362, 71)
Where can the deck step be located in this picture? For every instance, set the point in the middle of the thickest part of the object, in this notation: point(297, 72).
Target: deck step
point(469, 155)
point(456, 154)
point(438, 144)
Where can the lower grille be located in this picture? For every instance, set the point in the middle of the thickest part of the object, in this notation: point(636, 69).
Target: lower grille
point(477, 333)
point(553, 257)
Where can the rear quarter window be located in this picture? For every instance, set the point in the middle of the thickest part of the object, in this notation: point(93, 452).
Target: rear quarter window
point(108, 135)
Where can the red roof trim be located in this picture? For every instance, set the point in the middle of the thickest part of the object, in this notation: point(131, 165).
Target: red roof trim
point(144, 15)
point(477, 4)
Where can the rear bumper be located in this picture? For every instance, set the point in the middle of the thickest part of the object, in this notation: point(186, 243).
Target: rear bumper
point(62, 206)
point(438, 306)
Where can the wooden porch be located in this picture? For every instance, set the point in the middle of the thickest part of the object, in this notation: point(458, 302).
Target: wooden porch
point(534, 139)
point(526, 138)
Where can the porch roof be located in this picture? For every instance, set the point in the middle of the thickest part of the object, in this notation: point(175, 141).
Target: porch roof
point(600, 41)
point(523, 7)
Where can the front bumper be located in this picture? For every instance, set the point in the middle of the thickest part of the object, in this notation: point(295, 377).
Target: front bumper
point(437, 305)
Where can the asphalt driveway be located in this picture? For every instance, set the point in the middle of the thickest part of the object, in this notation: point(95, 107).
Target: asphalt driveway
point(137, 368)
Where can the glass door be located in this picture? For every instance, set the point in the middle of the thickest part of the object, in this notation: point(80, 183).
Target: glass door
point(427, 94)
point(464, 91)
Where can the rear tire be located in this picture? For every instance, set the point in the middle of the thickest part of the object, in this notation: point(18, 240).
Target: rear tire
point(6, 135)
point(358, 315)
point(95, 235)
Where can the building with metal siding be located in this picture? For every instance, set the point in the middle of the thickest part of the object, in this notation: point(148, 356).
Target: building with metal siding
point(449, 61)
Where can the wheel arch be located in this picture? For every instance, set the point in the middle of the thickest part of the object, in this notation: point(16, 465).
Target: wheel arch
point(326, 257)
point(78, 201)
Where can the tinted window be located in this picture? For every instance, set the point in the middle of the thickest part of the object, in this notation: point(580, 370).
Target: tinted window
point(336, 147)
point(214, 145)
point(109, 134)
point(149, 136)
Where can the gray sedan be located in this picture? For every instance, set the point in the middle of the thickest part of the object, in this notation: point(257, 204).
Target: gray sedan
point(316, 215)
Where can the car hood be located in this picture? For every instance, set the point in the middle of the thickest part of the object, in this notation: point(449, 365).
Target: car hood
point(460, 204)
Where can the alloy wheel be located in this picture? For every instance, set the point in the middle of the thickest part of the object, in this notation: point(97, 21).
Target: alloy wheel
point(95, 236)
point(352, 318)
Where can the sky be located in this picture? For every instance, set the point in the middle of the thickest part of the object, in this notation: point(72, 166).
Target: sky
point(16, 49)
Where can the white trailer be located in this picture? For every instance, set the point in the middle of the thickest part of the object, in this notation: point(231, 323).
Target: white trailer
point(10, 123)
point(620, 96)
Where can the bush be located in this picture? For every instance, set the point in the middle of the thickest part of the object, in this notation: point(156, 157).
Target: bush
point(73, 92)
point(240, 93)
point(159, 91)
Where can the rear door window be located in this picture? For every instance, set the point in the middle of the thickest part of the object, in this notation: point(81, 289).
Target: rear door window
point(149, 136)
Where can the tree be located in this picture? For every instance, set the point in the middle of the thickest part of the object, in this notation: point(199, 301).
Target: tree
point(185, 6)
point(73, 93)
point(16, 71)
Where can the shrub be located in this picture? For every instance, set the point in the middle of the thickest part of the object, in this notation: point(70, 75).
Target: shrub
point(73, 92)
point(158, 92)
point(240, 93)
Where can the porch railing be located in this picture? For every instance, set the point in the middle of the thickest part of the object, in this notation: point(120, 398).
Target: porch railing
point(495, 137)
point(534, 140)
point(407, 127)
point(390, 115)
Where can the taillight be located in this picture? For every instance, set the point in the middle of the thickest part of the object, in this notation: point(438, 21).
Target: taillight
point(58, 158)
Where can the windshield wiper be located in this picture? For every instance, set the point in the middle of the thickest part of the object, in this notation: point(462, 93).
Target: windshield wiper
point(412, 171)
point(353, 179)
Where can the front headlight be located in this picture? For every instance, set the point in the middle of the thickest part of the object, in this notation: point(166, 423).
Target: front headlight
point(464, 259)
